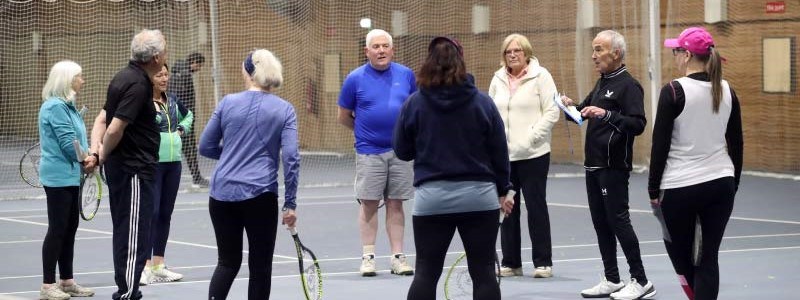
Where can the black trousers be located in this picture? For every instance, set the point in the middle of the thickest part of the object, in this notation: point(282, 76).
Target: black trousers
point(432, 236)
point(529, 176)
point(131, 203)
point(189, 149)
point(258, 217)
point(607, 190)
point(58, 247)
point(712, 202)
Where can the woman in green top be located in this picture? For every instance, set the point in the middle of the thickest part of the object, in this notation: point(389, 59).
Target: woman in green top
point(174, 121)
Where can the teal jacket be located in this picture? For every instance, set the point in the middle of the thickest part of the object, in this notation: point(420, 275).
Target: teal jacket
point(171, 117)
point(59, 125)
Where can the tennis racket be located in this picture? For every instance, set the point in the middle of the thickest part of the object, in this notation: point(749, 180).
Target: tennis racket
point(91, 189)
point(458, 282)
point(311, 275)
point(29, 165)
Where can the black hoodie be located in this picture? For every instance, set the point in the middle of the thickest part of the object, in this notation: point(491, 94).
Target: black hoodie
point(453, 133)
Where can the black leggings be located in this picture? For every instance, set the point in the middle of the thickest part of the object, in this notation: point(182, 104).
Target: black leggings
point(168, 178)
point(259, 218)
point(59, 243)
point(432, 236)
point(712, 201)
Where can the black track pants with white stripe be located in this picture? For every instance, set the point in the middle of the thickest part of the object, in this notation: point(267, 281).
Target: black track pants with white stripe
point(131, 199)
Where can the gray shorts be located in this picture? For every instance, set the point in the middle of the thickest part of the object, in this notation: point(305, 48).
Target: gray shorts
point(383, 176)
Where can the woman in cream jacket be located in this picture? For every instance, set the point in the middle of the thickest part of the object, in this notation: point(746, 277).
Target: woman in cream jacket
point(523, 92)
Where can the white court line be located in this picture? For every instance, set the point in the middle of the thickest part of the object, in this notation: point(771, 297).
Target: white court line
point(39, 241)
point(650, 212)
point(205, 203)
point(109, 233)
point(336, 274)
point(293, 259)
point(350, 202)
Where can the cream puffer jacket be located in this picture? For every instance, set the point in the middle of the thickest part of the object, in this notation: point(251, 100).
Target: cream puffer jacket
point(528, 115)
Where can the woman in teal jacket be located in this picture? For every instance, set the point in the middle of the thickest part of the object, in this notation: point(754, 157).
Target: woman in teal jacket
point(174, 121)
point(59, 172)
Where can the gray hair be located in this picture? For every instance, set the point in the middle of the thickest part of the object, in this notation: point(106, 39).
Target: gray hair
point(376, 33)
point(617, 41)
point(59, 82)
point(268, 73)
point(147, 44)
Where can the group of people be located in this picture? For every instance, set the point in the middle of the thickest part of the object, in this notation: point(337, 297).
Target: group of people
point(139, 137)
point(430, 135)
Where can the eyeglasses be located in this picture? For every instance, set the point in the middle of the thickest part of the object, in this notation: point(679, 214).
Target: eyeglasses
point(675, 51)
point(513, 51)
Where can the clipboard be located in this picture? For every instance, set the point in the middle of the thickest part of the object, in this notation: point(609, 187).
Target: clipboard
point(570, 111)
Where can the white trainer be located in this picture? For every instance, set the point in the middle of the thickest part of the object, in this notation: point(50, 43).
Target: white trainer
point(634, 291)
point(602, 289)
point(160, 273)
point(147, 276)
point(510, 272)
point(543, 272)
point(400, 265)
point(368, 265)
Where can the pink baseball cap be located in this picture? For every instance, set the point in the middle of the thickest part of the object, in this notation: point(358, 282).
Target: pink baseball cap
point(694, 39)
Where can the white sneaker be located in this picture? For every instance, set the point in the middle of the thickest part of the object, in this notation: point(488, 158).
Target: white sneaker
point(368, 265)
point(76, 290)
point(510, 272)
point(400, 265)
point(52, 292)
point(543, 272)
point(602, 289)
point(634, 291)
point(147, 276)
point(160, 273)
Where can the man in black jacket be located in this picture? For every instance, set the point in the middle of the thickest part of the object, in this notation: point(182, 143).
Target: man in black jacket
point(615, 111)
point(182, 86)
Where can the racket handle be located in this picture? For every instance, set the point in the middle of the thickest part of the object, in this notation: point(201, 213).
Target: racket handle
point(293, 230)
point(510, 195)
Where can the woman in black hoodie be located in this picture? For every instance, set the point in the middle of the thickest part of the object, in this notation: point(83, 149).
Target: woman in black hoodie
point(455, 136)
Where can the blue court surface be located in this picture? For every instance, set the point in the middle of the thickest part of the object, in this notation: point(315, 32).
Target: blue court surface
point(759, 259)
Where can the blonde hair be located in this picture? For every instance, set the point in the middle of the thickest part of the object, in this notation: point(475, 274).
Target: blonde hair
point(59, 82)
point(523, 43)
point(268, 72)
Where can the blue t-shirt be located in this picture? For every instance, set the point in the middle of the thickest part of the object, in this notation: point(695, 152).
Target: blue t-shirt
point(376, 97)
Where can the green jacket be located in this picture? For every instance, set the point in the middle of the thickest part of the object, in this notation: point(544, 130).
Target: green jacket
point(172, 117)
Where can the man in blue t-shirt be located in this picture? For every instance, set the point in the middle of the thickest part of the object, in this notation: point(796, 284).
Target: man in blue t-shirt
point(369, 104)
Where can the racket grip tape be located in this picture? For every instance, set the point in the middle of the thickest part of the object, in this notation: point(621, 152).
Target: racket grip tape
point(293, 230)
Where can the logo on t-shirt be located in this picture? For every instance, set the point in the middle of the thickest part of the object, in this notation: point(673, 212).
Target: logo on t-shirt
point(609, 93)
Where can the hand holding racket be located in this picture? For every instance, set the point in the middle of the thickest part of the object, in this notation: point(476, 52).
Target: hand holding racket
point(458, 282)
point(311, 275)
point(91, 188)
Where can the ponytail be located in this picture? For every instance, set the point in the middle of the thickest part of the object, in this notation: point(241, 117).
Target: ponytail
point(714, 69)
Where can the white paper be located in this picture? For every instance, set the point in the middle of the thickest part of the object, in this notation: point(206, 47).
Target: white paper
point(571, 111)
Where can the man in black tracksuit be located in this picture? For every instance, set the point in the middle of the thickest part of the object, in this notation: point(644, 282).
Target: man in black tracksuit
point(615, 113)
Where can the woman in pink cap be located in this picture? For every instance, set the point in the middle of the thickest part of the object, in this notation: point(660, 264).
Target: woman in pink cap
point(696, 161)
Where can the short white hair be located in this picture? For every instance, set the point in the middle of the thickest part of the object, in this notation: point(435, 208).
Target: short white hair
point(268, 73)
point(147, 44)
point(617, 41)
point(59, 82)
point(376, 33)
